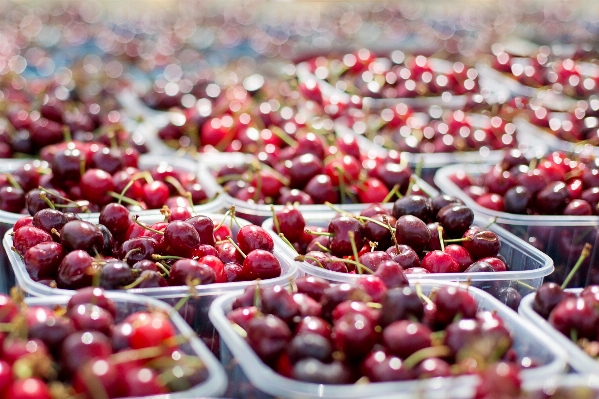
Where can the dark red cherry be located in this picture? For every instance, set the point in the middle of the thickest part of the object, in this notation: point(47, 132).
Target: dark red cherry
point(82, 346)
point(575, 315)
point(184, 271)
point(93, 295)
point(137, 249)
point(311, 286)
point(90, 317)
point(552, 199)
point(414, 205)
point(340, 228)
point(401, 304)
point(403, 338)
point(482, 244)
point(116, 275)
point(116, 218)
point(78, 234)
point(27, 237)
point(392, 274)
point(451, 301)
point(76, 270)
point(461, 334)
point(354, 335)
point(205, 228)
point(460, 254)
point(316, 372)
point(404, 255)
point(309, 345)
point(517, 200)
point(180, 239)
point(279, 302)
point(440, 262)
point(268, 336)
point(253, 237)
point(412, 231)
point(455, 219)
point(260, 264)
point(42, 260)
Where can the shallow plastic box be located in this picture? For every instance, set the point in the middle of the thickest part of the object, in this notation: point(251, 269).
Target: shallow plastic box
point(250, 377)
point(432, 162)
point(195, 312)
point(528, 265)
point(257, 213)
point(127, 304)
point(560, 237)
point(8, 219)
point(577, 359)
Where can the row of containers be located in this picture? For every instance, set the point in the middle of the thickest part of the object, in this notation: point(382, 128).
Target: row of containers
point(248, 376)
point(241, 373)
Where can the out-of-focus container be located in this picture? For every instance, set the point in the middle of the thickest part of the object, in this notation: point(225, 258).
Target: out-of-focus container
point(8, 219)
point(577, 358)
point(527, 144)
point(560, 237)
point(127, 304)
point(195, 312)
point(258, 213)
point(527, 265)
point(250, 377)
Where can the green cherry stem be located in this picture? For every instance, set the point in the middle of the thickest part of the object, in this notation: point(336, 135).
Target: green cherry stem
point(236, 246)
point(586, 251)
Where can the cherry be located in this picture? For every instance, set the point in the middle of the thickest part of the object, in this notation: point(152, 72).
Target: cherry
point(455, 219)
point(27, 237)
point(462, 334)
point(261, 264)
point(302, 169)
point(90, 317)
point(511, 298)
point(316, 372)
point(310, 345)
point(382, 367)
point(268, 336)
point(404, 255)
point(336, 294)
point(116, 218)
point(499, 181)
point(142, 382)
point(354, 335)
point(400, 304)
point(180, 239)
point(412, 231)
point(155, 194)
point(443, 200)
point(66, 164)
point(340, 229)
point(377, 233)
point(497, 264)
point(517, 200)
point(492, 201)
point(42, 260)
point(575, 315)
point(12, 199)
point(78, 234)
point(440, 262)
point(482, 244)
point(460, 254)
point(76, 270)
point(292, 196)
point(149, 329)
point(184, 271)
point(551, 200)
point(116, 275)
point(414, 205)
point(95, 185)
point(28, 388)
point(391, 174)
point(290, 223)
point(81, 346)
point(578, 207)
point(48, 219)
point(24, 221)
point(205, 228)
point(311, 286)
point(279, 302)
point(93, 295)
point(253, 237)
point(321, 189)
point(391, 274)
point(432, 368)
point(98, 372)
point(451, 302)
point(500, 378)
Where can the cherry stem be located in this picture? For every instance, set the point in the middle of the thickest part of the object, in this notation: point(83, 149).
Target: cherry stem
point(136, 221)
point(163, 268)
point(440, 230)
point(433, 351)
point(337, 209)
point(48, 192)
point(45, 198)
point(586, 251)
point(574, 335)
point(123, 198)
point(166, 212)
point(276, 174)
point(354, 247)
point(55, 232)
point(13, 182)
point(458, 240)
point(280, 133)
point(355, 263)
point(394, 191)
point(66, 132)
point(165, 257)
point(239, 330)
point(177, 184)
point(392, 232)
point(422, 296)
point(491, 223)
point(286, 241)
point(255, 167)
point(302, 258)
point(322, 247)
point(82, 165)
point(275, 220)
point(257, 297)
point(319, 233)
point(17, 252)
point(374, 305)
point(386, 226)
point(137, 282)
point(236, 246)
point(125, 189)
point(530, 287)
point(186, 298)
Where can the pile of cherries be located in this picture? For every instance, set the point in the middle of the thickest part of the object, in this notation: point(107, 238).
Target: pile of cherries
point(369, 332)
point(418, 236)
point(89, 349)
point(84, 177)
point(315, 173)
point(362, 73)
point(557, 184)
point(399, 128)
point(563, 75)
point(580, 125)
point(60, 250)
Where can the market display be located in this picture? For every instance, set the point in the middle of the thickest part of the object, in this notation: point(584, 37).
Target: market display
point(351, 200)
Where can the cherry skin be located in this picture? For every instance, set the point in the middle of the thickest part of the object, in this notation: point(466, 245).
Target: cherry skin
point(116, 218)
point(261, 264)
point(95, 184)
point(205, 228)
point(382, 367)
point(552, 199)
point(493, 201)
point(82, 346)
point(414, 205)
point(400, 304)
point(340, 241)
point(185, 270)
point(451, 301)
point(482, 244)
point(76, 270)
point(42, 261)
point(48, 219)
point(93, 295)
point(404, 255)
point(403, 338)
point(90, 317)
point(149, 329)
point(29, 388)
point(455, 219)
point(140, 382)
point(29, 236)
point(354, 335)
point(440, 262)
point(575, 314)
point(138, 249)
point(412, 231)
point(180, 239)
point(268, 336)
point(155, 194)
point(116, 275)
point(460, 254)
point(314, 371)
point(81, 235)
point(291, 223)
point(311, 286)
point(252, 237)
point(392, 275)
point(102, 372)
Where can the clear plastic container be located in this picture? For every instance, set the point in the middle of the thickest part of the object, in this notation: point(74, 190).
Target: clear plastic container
point(447, 100)
point(552, 141)
point(432, 162)
point(257, 213)
point(8, 219)
point(127, 304)
point(250, 377)
point(528, 266)
point(194, 312)
point(577, 359)
point(560, 237)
